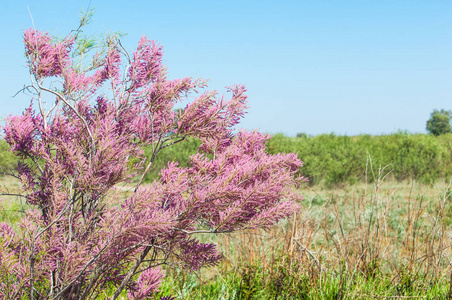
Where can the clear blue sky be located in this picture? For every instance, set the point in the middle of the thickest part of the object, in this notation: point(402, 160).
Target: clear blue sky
point(347, 67)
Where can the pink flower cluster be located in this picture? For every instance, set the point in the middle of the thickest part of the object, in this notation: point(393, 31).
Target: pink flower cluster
point(79, 235)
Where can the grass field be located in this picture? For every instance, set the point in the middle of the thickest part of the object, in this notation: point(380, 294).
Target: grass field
point(384, 240)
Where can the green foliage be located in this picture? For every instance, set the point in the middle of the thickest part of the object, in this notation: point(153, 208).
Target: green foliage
point(7, 160)
point(12, 213)
point(179, 152)
point(439, 122)
point(333, 160)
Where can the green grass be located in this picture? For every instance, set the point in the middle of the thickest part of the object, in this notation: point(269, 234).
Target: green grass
point(255, 283)
point(11, 207)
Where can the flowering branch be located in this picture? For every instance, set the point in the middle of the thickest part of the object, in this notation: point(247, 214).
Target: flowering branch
point(78, 235)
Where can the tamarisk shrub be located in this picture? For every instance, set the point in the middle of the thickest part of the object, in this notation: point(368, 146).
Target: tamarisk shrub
point(84, 134)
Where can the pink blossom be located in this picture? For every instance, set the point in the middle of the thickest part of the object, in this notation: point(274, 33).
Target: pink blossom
point(80, 234)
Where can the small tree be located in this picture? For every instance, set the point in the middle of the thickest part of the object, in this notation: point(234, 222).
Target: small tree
point(84, 134)
point(439, 122)
point(302, 135)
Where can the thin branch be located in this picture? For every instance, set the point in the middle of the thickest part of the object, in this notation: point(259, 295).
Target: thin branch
point(31, 17)
point(175, 142)
point(13, 195)
point(204, 231)
point(83, 270)
point(309, 252)
point(35, 162)
point(54, 221)
point(62, 98)
point(154, 153)
point(10, 173)
point(131, 272)
point(93, 281)
point(25, 88)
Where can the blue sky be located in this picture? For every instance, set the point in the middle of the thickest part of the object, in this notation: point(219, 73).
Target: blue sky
point(347, 67)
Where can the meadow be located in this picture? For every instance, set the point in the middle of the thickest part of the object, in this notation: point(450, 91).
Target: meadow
point(375, 223)
point(385, 240)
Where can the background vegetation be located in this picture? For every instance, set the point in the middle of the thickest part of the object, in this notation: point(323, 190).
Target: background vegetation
point(7, 159)
point(334, 160)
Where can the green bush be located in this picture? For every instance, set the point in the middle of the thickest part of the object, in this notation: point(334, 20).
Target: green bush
point(7, 160)
point(179, 152)
point(333, 160)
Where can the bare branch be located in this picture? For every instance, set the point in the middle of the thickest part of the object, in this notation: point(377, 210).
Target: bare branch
point(62, 98)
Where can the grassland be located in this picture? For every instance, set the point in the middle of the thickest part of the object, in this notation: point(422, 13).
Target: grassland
point(384, 240)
